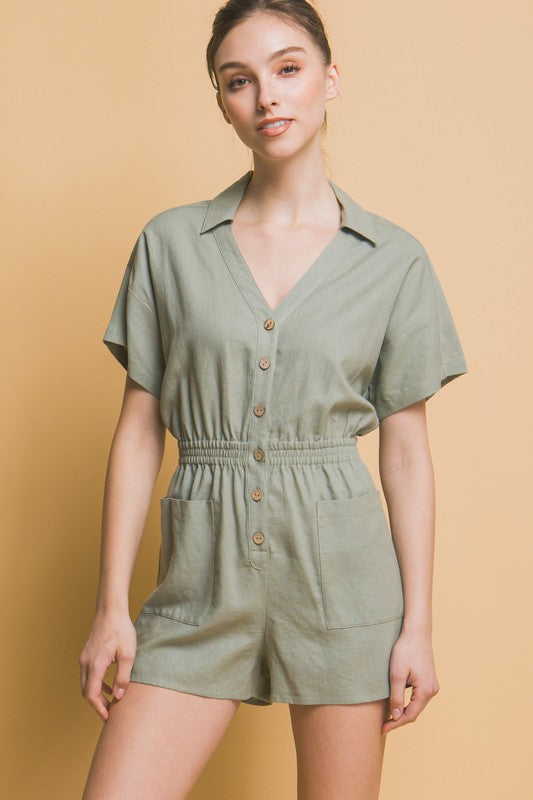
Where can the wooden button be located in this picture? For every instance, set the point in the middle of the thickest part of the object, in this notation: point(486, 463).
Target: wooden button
point(257, 494)
point(259, 410)
point(258, 537)
point(264, 363)
point(259, 454)
point(268, 324)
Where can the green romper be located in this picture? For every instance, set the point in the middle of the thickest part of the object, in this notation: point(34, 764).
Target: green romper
point(278, 579)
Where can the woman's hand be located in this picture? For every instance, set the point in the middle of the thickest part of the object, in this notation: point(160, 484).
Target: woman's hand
point(411, 664)
point(112, 638)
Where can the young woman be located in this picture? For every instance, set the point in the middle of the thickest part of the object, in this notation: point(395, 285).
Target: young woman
point(267, 329)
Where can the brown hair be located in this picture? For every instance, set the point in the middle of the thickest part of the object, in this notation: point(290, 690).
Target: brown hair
point(300, 12)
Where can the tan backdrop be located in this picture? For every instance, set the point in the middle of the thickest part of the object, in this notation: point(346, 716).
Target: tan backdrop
point(109, 118)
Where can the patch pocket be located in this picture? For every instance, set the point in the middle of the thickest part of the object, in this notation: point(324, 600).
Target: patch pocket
point(359, 571)
point(186, 561)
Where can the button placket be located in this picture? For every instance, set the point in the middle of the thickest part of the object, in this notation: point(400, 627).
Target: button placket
point(258, 466)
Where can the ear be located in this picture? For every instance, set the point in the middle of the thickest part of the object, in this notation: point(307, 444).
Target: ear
point(221, 106)
point(332, 82)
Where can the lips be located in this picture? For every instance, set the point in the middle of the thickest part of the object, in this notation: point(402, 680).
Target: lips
point(266, 122)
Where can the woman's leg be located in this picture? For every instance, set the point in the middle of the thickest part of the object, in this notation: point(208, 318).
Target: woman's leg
point(155, 744)
point(339, 749)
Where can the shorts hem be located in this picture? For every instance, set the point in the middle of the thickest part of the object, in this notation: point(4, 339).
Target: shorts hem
point(170, 684)
point(305, 701)
point(258, 700)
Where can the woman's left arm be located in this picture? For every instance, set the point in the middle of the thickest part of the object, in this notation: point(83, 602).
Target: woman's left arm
point(406, 473)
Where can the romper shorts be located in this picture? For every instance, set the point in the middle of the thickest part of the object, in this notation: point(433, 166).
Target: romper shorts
point(308, 614)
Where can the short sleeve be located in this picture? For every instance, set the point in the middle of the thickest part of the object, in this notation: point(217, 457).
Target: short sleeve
point(133, 333)
point(421, 351)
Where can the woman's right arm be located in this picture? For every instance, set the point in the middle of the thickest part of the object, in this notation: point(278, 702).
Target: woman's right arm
point(134, 462)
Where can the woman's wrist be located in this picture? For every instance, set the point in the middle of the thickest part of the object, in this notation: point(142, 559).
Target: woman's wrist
point(421, 626)
point(105, 606)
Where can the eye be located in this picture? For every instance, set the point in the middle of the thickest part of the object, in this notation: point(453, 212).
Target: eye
point(234, 84)
point(294, 67)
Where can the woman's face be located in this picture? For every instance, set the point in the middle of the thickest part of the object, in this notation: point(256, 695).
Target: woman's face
point(256, 83)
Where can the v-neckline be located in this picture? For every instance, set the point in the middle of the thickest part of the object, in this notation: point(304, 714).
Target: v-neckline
point(301, 279)
point(304, 286)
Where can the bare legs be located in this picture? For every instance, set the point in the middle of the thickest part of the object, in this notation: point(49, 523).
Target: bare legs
point(339, 749)
point(155, 744)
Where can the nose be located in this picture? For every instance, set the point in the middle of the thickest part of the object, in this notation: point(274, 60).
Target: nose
point(266, 95)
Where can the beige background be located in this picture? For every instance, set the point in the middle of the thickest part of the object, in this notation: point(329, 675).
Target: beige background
point(110, 119)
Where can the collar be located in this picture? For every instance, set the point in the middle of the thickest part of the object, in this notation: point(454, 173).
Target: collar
point(225, 204)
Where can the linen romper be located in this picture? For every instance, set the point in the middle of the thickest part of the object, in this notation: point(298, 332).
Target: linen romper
point(278, 579)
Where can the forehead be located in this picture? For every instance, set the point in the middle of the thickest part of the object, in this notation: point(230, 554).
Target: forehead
point(259, 36)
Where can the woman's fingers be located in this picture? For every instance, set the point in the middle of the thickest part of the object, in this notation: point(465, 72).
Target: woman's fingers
point(411, 665)
point(398, 681)
point(93, 692)
point(125, 659)
point(420, 697)
point(112, 639)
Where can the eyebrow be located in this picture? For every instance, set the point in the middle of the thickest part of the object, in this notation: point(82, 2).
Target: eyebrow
point(277, 54)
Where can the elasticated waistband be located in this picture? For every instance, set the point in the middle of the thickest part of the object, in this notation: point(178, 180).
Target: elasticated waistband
point(319, 451)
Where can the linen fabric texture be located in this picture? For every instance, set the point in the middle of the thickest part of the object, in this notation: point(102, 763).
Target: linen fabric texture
point(278, 579)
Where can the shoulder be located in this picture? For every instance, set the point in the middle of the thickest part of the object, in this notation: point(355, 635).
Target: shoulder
point(402, 258)
point(392, 240)
point(392, 230)
point(393, 236)
point(183, 218)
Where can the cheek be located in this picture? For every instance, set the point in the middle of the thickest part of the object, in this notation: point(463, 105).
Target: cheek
point(238, 107)
point(311, 93)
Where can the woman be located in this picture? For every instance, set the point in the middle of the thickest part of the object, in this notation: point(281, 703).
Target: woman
point(267, 329)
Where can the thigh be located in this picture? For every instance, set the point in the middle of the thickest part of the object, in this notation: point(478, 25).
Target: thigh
point(155, 743)
point(339, 749)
